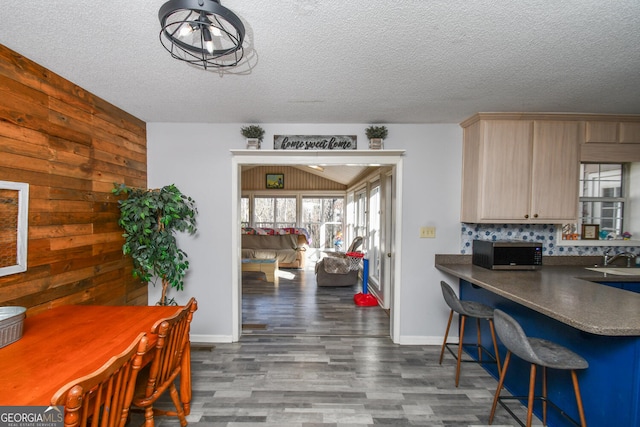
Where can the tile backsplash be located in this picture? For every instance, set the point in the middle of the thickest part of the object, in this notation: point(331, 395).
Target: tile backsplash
point(544, 233)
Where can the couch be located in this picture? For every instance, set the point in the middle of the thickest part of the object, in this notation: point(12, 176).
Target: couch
point(288, 249)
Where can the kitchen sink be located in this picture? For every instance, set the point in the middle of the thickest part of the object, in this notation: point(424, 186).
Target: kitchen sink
point(619, 271)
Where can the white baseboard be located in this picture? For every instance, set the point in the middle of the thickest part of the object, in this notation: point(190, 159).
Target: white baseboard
point(423, 340)
point(210, 339)
point(404, 340)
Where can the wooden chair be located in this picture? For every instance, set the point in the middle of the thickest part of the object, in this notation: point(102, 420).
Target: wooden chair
point(104, 396)
point(171, 347)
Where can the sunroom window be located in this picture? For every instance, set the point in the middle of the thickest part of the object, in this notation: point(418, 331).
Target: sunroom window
point(274, 212)
point(322, 218)
point(245, 218)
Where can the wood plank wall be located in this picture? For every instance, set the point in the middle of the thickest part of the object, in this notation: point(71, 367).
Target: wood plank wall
point(254, 179)
point(70, 146)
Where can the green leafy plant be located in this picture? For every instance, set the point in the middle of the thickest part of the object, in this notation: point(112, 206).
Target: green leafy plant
point(376, 132)
point(252, 131)
point(150, 220)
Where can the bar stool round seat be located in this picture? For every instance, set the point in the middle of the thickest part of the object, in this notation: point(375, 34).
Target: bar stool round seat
point(471, 309)
point(538, 352)
point(476, 310)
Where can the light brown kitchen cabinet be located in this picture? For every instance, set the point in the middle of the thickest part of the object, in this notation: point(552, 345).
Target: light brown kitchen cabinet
point(520, 170)
point(629, 133)
point(611, 139)
point(601, 132)
point(612, 132)
point(556, 170)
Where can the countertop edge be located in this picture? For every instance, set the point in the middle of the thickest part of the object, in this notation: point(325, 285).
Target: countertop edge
point(483, 278)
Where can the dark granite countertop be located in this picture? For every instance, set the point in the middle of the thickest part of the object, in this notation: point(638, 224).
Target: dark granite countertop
point(567, 293)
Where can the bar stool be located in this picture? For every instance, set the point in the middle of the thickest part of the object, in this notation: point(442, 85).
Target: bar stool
point(538, 352)
point(466, 309)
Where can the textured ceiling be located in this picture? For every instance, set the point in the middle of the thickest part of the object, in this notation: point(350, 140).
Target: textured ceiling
point(337, 61)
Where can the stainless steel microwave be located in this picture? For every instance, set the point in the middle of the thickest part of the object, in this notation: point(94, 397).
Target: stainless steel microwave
point(507, 254)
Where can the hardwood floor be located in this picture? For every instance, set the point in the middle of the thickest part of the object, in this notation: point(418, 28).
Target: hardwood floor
point(309, 357)
point(296, 306)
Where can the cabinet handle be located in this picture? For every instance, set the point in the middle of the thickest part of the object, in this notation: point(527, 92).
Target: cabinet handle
point(535, 215)
point(526, 216)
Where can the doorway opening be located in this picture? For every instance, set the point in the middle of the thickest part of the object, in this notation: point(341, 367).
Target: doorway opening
point(392, 159)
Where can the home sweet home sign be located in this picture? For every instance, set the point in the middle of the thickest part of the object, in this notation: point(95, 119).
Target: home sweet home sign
point(314, 142)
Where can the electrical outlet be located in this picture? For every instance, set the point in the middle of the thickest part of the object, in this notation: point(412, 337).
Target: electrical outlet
point(427, 232)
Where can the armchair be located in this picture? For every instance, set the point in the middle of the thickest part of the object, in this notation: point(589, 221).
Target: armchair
point(334, 270)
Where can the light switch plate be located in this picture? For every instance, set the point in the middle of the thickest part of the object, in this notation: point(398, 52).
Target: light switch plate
point(427, 232)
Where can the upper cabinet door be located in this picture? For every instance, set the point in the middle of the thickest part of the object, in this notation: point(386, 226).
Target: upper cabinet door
point(505, 177)
point(602, 132)
point(555, 170)
point(630, 133)
point(611, 132)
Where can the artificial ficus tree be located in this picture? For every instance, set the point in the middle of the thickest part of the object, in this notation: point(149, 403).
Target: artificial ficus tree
point(150, 219)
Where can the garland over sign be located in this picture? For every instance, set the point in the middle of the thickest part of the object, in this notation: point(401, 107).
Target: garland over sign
point(315, 142)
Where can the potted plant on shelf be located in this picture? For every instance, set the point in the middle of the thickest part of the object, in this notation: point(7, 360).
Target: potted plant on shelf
point(150, 219)
point(254, 135)
point(376, 135)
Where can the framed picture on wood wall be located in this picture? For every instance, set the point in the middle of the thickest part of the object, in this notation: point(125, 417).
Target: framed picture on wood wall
point(14, 212)
point(275, 181)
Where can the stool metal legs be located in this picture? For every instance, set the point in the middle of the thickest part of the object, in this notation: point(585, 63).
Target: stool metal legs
point(461, 340)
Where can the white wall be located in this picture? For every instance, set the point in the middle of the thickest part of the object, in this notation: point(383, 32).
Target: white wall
point(196, 158)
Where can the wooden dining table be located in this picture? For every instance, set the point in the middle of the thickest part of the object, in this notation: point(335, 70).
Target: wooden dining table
point(67, 342)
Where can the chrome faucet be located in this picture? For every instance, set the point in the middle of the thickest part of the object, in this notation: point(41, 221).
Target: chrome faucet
point(609, 259)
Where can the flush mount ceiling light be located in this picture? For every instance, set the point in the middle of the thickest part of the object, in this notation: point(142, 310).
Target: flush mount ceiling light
point(202, 33)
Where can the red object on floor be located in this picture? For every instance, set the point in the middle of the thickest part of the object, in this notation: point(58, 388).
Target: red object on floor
point(365, 300)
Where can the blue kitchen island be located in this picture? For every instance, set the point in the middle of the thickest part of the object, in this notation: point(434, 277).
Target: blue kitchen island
point(569, 305)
